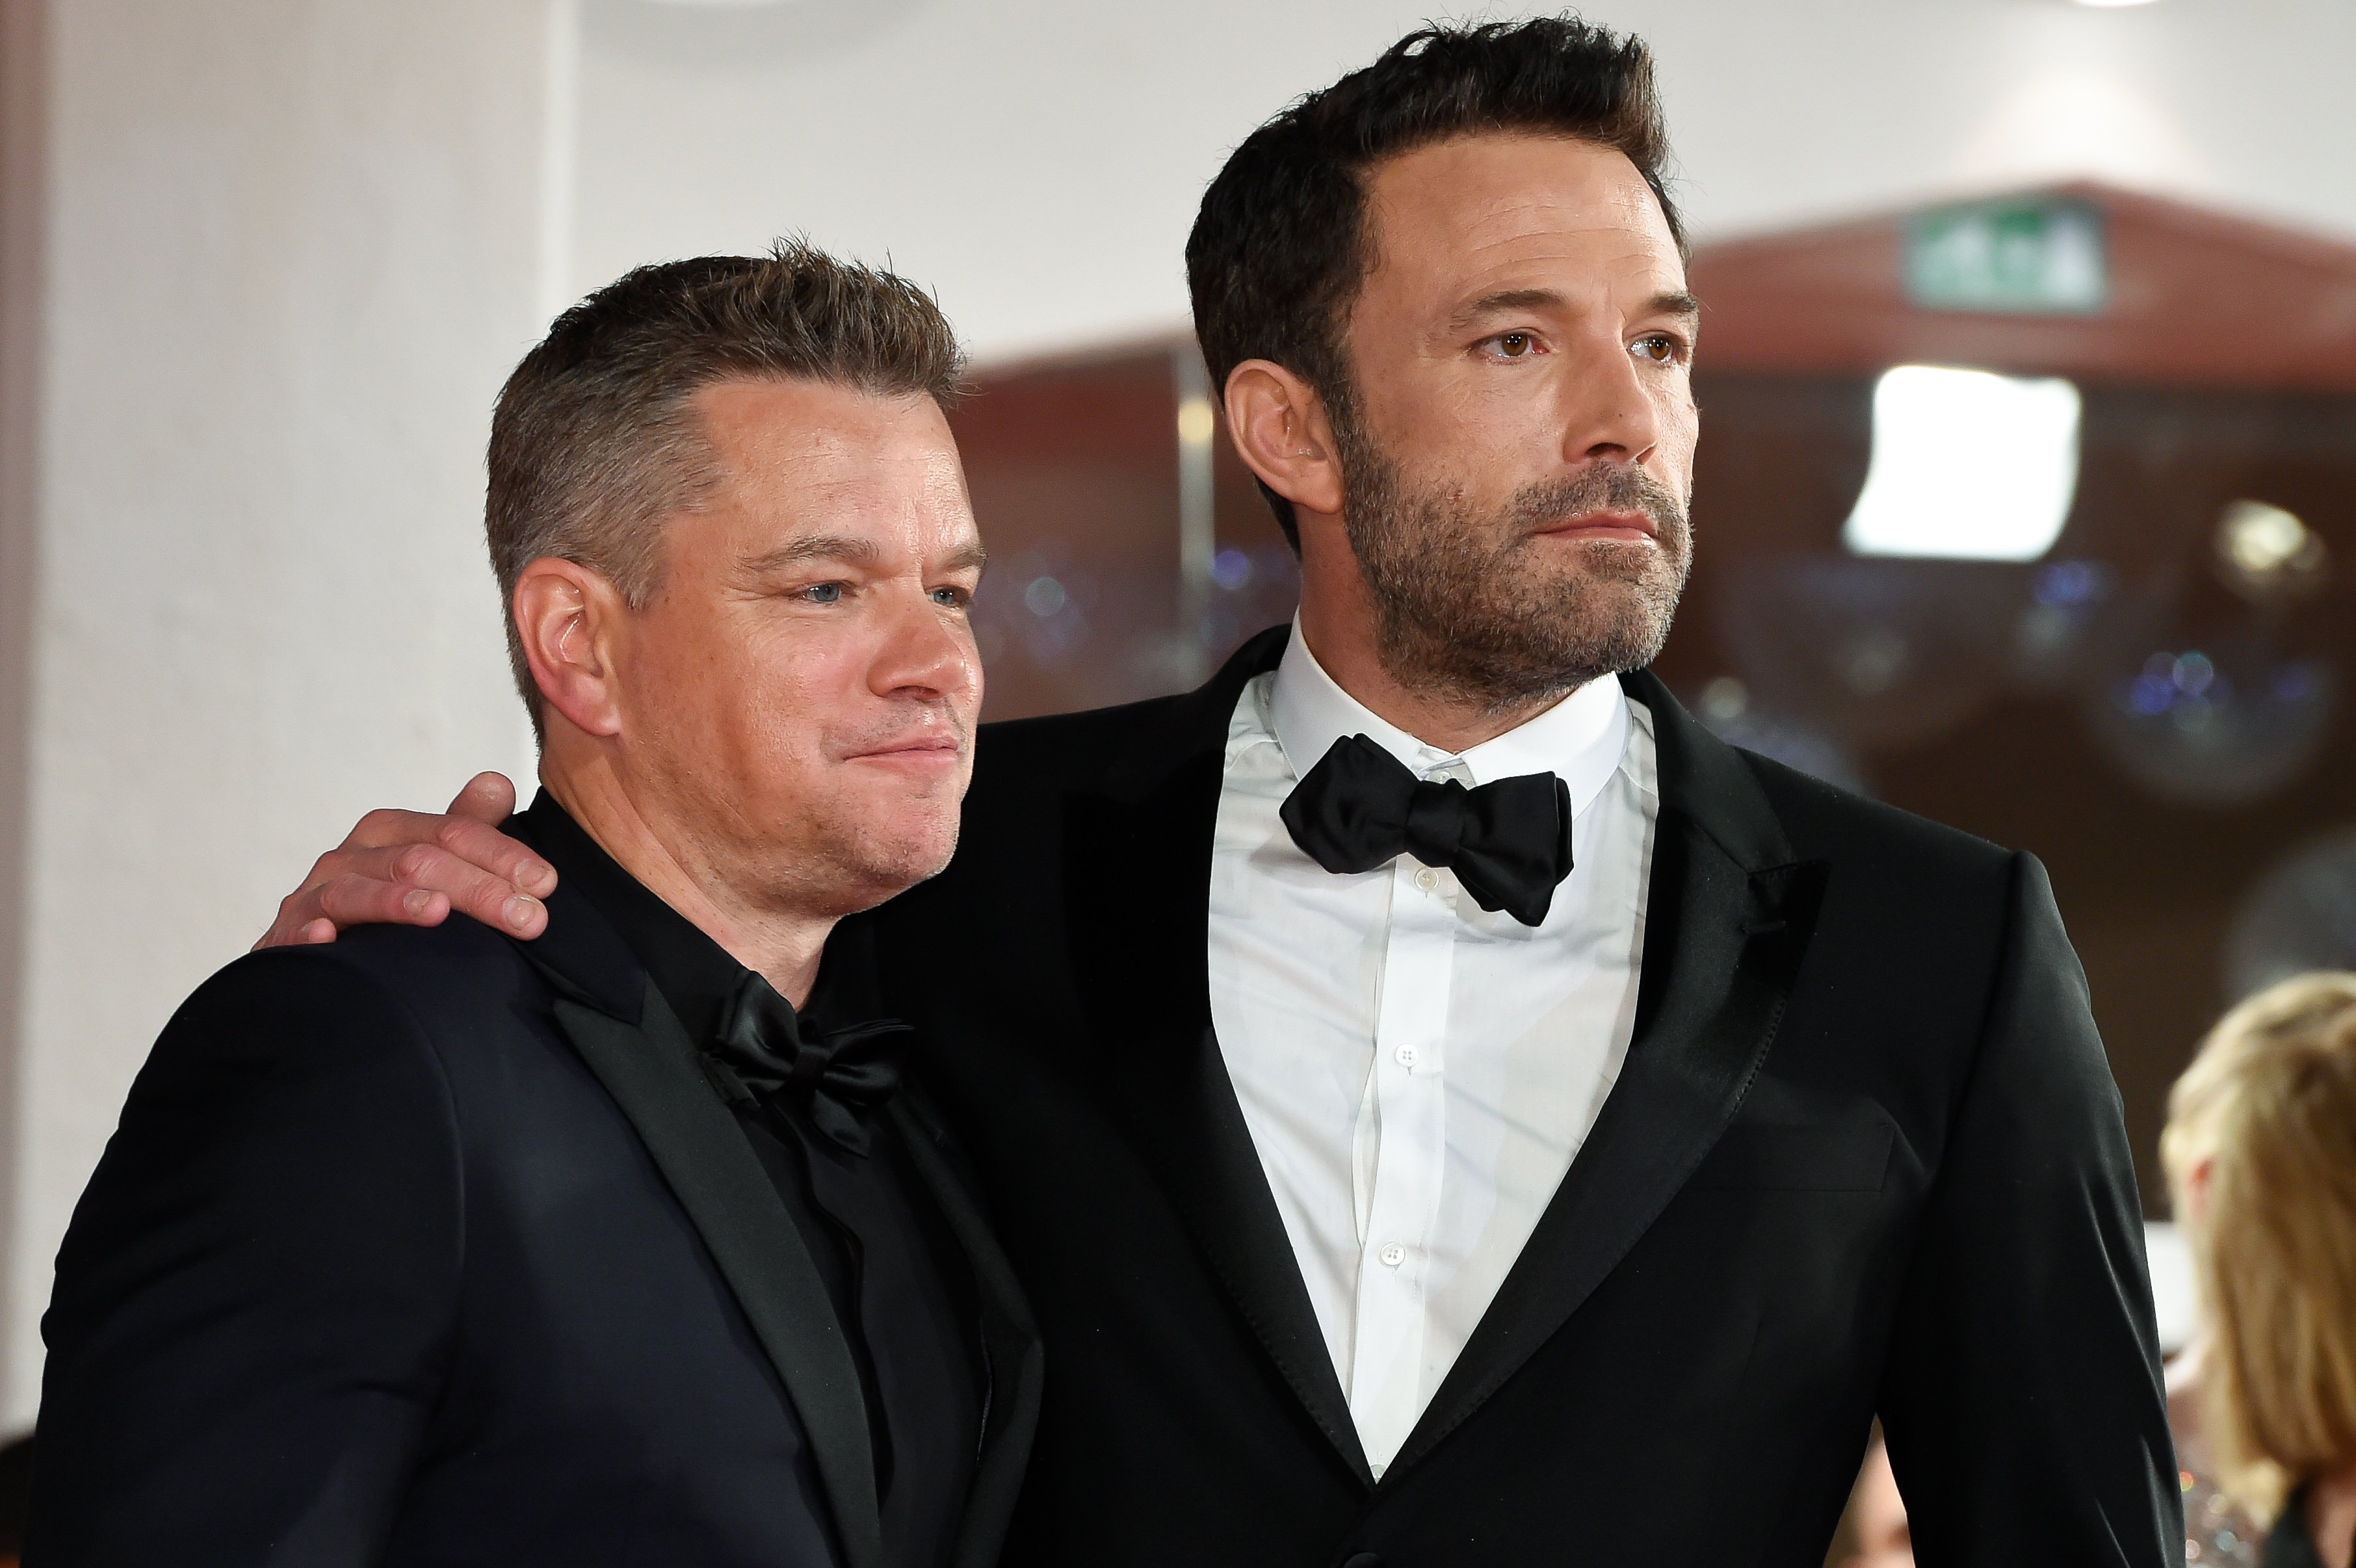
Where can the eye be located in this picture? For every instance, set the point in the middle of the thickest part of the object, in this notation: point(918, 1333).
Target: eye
point(952, 599)
point(1513, 345)
point(824, 593)
point(1659, 347)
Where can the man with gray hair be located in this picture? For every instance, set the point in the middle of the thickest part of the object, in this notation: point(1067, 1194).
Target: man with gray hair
point(626, 1244)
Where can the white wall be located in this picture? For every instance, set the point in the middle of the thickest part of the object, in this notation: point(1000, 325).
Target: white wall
point(290, 250)
point(1038, 161)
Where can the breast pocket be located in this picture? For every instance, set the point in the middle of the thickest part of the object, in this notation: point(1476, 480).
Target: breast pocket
point(1773, 1157)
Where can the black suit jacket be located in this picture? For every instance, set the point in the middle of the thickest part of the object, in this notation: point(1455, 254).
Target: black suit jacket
point(1865, 1154)
point(433, 1247)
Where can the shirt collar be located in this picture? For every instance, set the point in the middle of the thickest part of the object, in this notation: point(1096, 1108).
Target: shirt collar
point(1581, 739)
point(695, 974)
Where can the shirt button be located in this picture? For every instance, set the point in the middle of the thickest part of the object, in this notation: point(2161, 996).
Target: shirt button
point(1392, 1255)
point(1406, 1055)
point(1427, 879)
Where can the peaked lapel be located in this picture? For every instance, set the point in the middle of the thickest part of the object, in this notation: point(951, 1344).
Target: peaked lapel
point(1138, 868)
point(637, 1048)
point(1729, 914)
point(1010, 1338)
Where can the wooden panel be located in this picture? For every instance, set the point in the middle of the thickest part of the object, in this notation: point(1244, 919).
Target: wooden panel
point(2197, 299)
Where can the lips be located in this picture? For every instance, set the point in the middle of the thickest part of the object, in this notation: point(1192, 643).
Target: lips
point(913, 748)
point(1614, 523)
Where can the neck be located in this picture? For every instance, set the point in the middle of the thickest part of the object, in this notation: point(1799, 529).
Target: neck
point(1338, 622)
point(2331, 1515)
point(655, 848)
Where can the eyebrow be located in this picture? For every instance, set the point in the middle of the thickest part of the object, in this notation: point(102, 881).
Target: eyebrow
point(851, 551)
point(1677, 302)
point(811, 547)
point(1673, 303)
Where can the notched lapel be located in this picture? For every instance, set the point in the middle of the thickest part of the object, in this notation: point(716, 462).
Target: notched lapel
point(1729, 920)
point(650, 1069)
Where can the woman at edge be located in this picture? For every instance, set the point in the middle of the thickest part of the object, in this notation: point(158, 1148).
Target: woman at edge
point(2261, 1155)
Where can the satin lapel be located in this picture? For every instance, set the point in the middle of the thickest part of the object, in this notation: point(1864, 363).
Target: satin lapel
point(1138, 897)
point(1727, 921)
point(1010, 1338)
point(650, 1069)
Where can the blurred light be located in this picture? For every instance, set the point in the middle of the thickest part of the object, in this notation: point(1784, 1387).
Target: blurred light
point(2266, 553)
point(2068, 585)
point(2216, 727)
point(1967, 465)
point(2112, 5)
point(1196, 423)
point(1724, 699)
point(1045, 597)
point(1231, 569)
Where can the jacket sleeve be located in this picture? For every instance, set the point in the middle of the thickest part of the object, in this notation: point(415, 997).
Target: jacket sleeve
point(255, 1296)
point(2022, 1396)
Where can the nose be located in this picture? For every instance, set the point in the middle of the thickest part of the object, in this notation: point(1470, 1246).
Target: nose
point(1610, 413)
point(925, 654)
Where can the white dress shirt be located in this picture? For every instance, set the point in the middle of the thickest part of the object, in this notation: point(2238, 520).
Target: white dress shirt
point(1416, 1072)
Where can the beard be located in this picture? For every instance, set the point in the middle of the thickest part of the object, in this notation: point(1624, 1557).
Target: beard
point(1472, 606)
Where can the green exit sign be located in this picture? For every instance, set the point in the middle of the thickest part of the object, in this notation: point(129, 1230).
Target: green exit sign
point(2026, 256)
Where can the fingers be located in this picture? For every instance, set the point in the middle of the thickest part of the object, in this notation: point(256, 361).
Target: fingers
point(301, 921)
point(487, 797)
point(466, 832)
point(357, 900)
point(428, 871)
point(492, 851)
point(411, 868)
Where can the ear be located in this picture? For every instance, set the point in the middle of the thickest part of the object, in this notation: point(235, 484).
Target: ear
point(1281, 433)
point(2198, 1180)
point(568, 617)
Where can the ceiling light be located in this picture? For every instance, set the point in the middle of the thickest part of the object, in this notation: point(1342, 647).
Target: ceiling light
point(1967, 465)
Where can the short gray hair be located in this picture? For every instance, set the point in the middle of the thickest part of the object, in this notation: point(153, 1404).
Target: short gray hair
point(593, 444)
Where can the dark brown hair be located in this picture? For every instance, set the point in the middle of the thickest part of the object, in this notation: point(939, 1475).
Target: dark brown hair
point(593, 444)
point(1280, 247)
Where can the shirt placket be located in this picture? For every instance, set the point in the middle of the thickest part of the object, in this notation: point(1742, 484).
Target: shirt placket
point(1409, 1102)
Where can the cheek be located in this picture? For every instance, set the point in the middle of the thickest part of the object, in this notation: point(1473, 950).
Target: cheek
point(1680, 436)
point(734, 705)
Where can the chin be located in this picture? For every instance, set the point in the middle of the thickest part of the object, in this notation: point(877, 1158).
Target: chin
point(882, 865)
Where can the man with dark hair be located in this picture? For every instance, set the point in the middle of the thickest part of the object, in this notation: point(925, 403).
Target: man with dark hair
point(1447, 1107)
point(619, 1246)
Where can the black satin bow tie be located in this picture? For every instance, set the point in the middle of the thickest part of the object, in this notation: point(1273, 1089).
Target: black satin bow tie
point(1507, 842)
point(762, 1051)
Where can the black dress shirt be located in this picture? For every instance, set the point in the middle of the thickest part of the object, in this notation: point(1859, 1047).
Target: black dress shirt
point(899, 1281)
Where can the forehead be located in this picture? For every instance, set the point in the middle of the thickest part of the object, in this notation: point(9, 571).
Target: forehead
point(1468, 211)
point(800, 451)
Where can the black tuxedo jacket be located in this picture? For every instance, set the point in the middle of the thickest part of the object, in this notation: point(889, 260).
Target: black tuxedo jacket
point(431, 1247)
point(1866, 1154)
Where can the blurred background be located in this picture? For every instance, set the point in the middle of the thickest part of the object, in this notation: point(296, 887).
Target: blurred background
point(2027, 498)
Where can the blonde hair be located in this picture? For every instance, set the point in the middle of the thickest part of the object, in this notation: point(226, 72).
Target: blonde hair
point(2269, 1102)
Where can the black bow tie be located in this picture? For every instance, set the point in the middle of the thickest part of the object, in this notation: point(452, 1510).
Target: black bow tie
point(1508, 842)
point(762, 1051)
